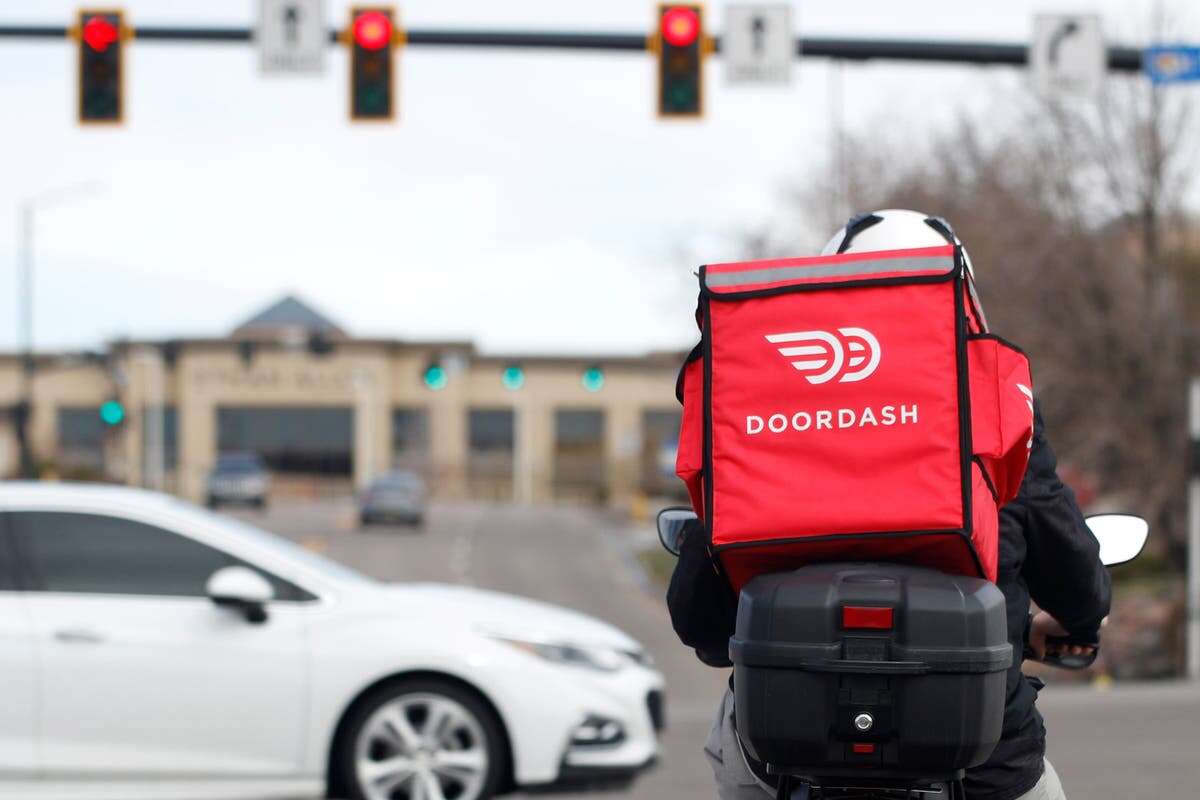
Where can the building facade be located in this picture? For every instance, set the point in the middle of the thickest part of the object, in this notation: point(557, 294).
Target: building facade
point(328, 412)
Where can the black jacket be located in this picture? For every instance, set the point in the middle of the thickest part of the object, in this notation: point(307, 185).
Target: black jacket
point(1046, 552)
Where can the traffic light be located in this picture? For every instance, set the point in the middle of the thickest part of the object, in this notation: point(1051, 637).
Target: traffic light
point(372, 72)
point(435, 376)
point(112, 413)
point(593, 379)
point(681, 49)
point(101, 71)
point(513, 377)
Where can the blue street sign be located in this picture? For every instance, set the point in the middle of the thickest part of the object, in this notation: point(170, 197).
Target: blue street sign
point(1172, 64)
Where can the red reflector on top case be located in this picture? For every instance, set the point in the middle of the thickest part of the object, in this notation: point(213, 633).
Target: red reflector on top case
point(863, 747)
point(867, 617)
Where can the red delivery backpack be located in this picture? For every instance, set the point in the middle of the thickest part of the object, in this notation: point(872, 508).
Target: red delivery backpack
point(851, 407)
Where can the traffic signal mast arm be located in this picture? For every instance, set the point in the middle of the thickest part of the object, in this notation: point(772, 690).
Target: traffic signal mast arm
point(1120, 59)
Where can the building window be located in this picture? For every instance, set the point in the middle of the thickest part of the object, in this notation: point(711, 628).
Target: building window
point(410, 439)
point(306, 440)
point(660, 441)
point(490, 440)
point(580, 469)
point(170, 422)
point(81, 437)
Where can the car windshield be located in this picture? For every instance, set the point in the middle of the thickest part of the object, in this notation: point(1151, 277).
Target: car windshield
point(398, 482)
point(278, 545)
point(241, 462)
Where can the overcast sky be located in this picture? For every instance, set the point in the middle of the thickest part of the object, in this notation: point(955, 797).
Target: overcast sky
point(528, 201)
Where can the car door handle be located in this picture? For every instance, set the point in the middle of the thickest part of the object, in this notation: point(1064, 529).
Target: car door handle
point(78, 636)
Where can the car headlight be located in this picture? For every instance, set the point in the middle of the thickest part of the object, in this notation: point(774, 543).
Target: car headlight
point(601, 659)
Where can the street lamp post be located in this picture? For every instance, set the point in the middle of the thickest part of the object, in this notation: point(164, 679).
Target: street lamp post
point(25, 222)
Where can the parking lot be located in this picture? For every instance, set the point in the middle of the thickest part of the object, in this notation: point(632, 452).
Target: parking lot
point(1123, 742)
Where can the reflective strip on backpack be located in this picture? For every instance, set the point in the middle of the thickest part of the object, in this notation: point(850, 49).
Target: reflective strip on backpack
point(931, 265)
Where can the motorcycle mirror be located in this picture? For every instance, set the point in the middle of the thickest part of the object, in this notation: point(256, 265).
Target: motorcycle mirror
point(1121, 536)
point(670, 527)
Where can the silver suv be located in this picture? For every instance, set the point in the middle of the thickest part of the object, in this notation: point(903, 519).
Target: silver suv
point(238, 478)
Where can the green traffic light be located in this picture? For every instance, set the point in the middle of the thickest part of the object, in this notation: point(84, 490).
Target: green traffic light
point(112, 412)
point(593, 379)
point(372, 69)
point(513, 377)
point(373, 101)
point(436, 377)
point(682, 96)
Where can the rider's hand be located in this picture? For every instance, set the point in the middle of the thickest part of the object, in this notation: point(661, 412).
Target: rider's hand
point(1044, 625)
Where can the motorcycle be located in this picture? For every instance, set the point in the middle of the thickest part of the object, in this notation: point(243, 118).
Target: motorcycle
point(1121, 538)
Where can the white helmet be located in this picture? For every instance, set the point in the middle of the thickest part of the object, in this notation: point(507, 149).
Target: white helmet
point(893, 229)
point(901, 229)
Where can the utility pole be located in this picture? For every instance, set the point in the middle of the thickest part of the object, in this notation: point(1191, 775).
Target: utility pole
point(363, 382)
point(524, 457)
point(153, 386)
point(1193, 582)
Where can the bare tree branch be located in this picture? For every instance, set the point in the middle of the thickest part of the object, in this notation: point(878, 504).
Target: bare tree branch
point(1074, 215)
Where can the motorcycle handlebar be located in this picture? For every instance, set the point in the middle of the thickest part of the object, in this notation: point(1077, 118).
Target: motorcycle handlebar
point(1065, 660)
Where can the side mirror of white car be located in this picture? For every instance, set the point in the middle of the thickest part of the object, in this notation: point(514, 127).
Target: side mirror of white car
point(241, 589)
point(1121, 536)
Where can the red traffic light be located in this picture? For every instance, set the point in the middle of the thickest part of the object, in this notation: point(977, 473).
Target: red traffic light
point(680, 26)
point(372, 30)
point(99, 33)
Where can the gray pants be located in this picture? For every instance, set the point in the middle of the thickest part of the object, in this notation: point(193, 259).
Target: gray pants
point(735, 781)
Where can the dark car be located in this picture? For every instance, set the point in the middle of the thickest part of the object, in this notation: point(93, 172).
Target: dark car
point(238, 478)
point(396, 496)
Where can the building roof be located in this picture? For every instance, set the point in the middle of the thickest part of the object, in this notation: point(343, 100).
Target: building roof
point(286, 315)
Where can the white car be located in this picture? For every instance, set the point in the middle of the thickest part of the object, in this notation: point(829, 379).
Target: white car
point(152, 649)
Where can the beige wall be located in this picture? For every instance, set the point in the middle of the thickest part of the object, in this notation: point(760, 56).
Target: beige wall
point(627, 391)
point(447, 418)
point(58, 383)
point(207, 378)
point(148, 382)
point(372, 378)
point(10, 458)
point(10, 377)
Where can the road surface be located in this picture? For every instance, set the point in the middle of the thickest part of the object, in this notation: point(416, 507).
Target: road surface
point(1127, 742)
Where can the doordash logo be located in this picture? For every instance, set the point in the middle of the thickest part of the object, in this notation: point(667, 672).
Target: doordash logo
point(852, 354)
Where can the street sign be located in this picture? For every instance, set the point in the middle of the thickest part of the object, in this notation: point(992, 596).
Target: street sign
point(292, 37)
point(757, 44)
point(1067, 54)
point(1172, 64)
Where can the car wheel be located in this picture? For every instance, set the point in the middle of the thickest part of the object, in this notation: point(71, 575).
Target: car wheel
point(422, 740)
point(211, 502)
point(365, 519)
